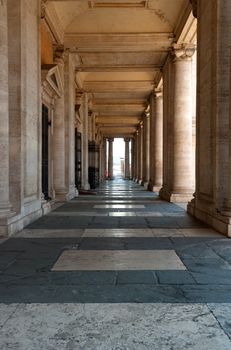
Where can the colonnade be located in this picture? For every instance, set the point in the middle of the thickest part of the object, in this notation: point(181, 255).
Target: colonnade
point(163, 146)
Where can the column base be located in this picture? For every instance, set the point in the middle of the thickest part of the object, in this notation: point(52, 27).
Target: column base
point(174, 197)
point(85, 186)
point(72, 192)
point(47, 206)
point(220, 221)
point(141, 182)
point(146, 184)
point(14, 222)
point(62, 195)
point(154, 188)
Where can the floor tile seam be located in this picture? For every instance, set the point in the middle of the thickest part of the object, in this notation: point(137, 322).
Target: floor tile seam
point(18, 305)
point(218, 322)
point(116, 284)
point(217, 253)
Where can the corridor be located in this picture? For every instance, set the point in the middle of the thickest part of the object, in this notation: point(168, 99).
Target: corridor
point(116, 269)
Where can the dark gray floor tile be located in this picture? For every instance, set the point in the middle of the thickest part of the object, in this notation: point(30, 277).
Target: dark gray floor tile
point(175, 277)
point(136, 277)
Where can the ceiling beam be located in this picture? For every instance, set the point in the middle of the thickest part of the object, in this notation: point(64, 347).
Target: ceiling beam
point(119, 68)
point(124, 42)
point(117, 120)
point(119, 108)
point(117, 86)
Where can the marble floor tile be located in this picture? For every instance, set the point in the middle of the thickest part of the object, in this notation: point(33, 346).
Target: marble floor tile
point(200, 232)
point(148, 213)
point(118, 233)
point(119, 206)
point(113, 327)
point(6, 311)
point(222, 312)
point(77, 213)
point(122, 213)
point(75, 260)
point(166, 232)
point(177, 214)
point(52, 233)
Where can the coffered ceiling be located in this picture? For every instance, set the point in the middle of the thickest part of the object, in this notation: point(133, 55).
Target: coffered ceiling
point(119, 48)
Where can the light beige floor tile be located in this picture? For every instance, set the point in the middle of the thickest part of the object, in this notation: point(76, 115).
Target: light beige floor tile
point(118, 233)
point(150, 213)
point(77, 213)
point(113, 260)
point(119, 206)
point(166, 232)
point(93, 230)
point(200, 232)
point(52, 233)
point(122, 213)
point(178, 214)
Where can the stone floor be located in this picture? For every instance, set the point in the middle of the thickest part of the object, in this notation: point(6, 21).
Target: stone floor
point(117, 270)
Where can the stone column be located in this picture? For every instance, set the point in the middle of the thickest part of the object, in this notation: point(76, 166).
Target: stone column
point(147, 148)
point(59, 136)
point(213, 121)
point(69, 98)
point(133, 165)
point(180, 187)
point(5, 205)
point(104, 160)
point(137, 155)
point(84, 181)
point(141, 154)
point(126, 159)
point(156, 141)
point(110, 159)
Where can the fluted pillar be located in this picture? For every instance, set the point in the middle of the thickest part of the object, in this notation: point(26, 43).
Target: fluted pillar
point(147, 148)
point(110, 158)
point(178, 184)
point(126, 159)
point(156, 166)
point(5, 205)
point(84, 181)
point(59, 136)
point(104, 159)
point(141, 154)
point(211, 202)
point(137, 155)
point(133, 160)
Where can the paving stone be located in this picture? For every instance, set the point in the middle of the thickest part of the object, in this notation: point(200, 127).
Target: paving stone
point(112, 326)
point(136, 277)
point(175, 277)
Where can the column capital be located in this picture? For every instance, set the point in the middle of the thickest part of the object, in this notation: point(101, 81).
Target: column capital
point(127, 139)
point(147, 112)
point(60, 54)
point(182, 52)
point(194, 7)
point(78, 98)
point(110, 139)
point(43, 8)
point(158, 93)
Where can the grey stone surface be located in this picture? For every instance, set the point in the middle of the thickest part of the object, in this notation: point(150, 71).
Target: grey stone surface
point(222, 312)
point(111, 327)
